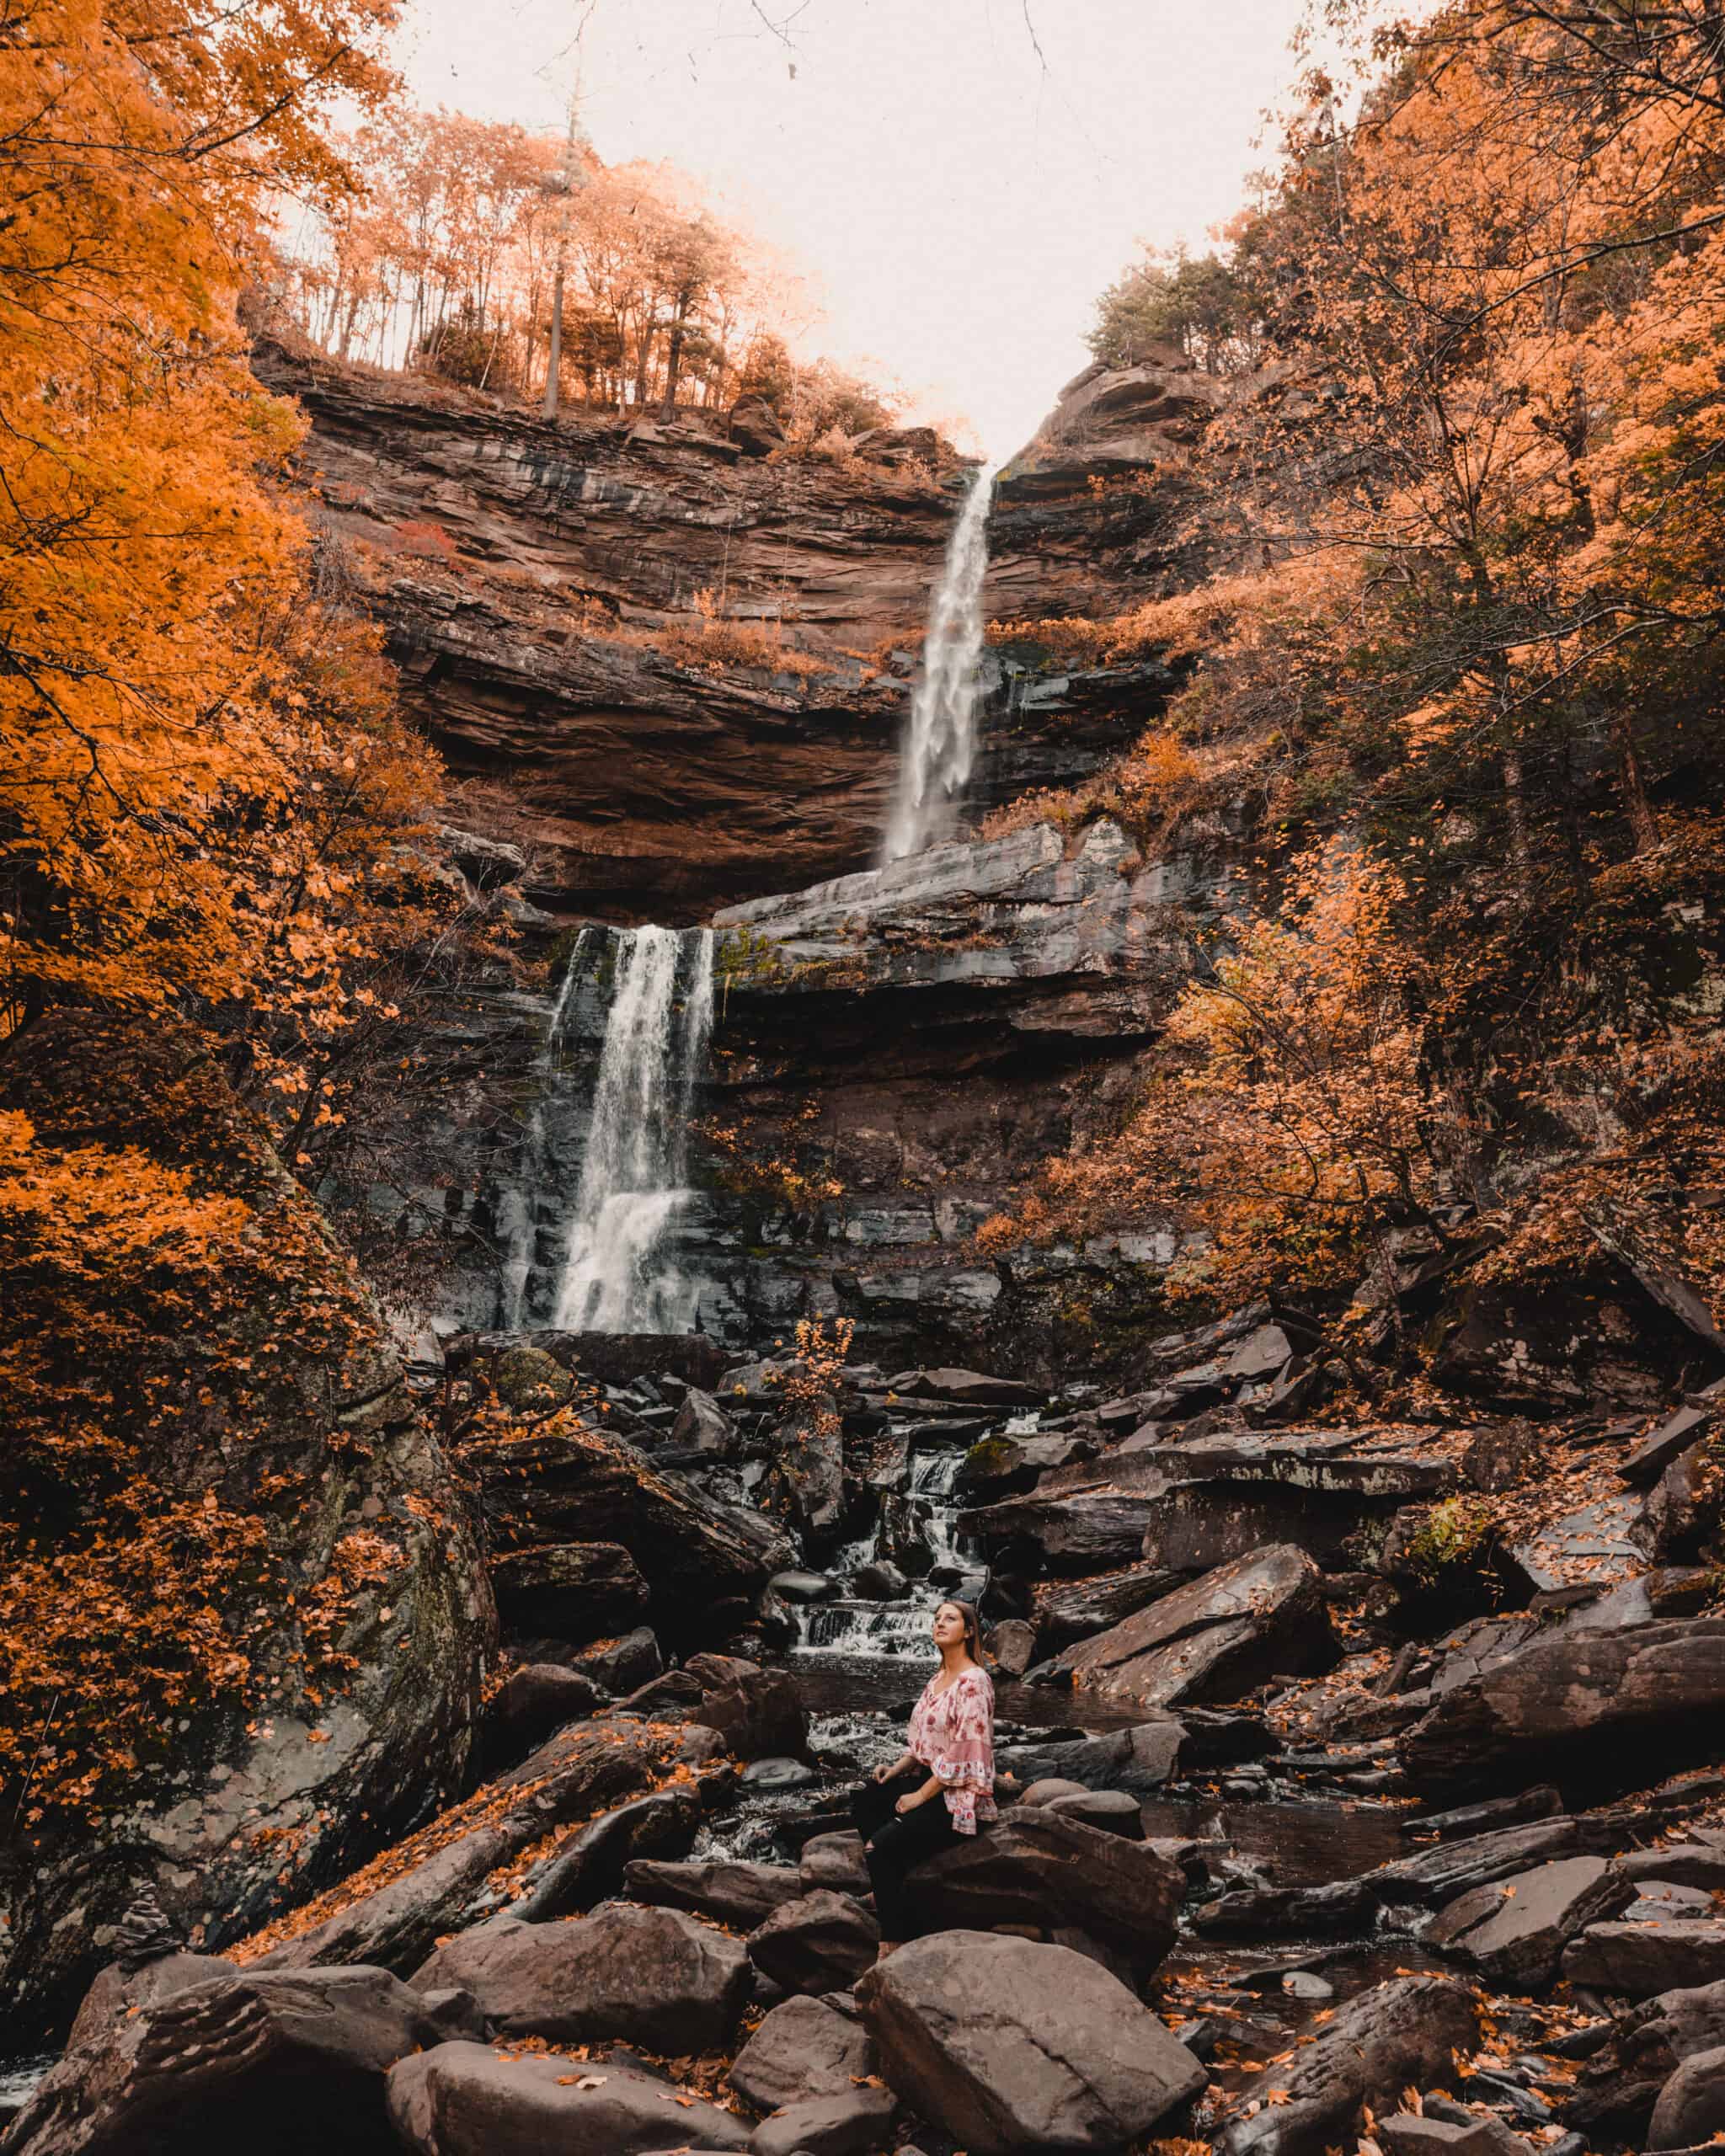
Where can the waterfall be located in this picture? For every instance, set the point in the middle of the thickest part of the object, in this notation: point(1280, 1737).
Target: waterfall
point(940, 741)
point(615, 1276)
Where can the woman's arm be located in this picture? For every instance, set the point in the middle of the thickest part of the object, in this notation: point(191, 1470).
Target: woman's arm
point(931, 1787)
point(902, 1765)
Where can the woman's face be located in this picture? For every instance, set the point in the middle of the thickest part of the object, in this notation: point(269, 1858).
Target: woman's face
point(948, 1625)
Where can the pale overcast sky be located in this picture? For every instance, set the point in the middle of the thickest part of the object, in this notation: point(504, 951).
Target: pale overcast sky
point(956, 196)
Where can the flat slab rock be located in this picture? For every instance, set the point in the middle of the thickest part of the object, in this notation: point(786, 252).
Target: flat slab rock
point(1513, 1932)
point(473, 2099)
point(1233, 1628)
point(728, 1891)
point(652, 1977)
point(1011, 2046)
point(1591, 1697)
point(1640, 1959)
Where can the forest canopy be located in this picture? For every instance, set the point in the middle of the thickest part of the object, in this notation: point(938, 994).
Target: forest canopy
point(1457, 651)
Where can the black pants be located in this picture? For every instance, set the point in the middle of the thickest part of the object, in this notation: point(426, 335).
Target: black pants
point(898, 1842)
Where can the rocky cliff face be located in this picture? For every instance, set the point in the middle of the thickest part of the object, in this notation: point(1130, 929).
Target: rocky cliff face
point(524, 569)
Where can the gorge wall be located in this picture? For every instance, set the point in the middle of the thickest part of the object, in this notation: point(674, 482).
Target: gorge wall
point(892, 1054)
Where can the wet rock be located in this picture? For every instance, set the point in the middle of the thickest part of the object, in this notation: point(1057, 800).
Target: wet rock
point(767, 1777)
point(561, 1482)
point(1640, 1959)
point(1089, 1531)
point(801, 1587)
point(423, 1888)
point(1215, 1638)
point(1003, 1466)
point(1012, 2046)
point(844, 2124)
point(467, 2099)
point(728, 1891)
point(534, 1702)
point(1593, 1702)
point(834, 1861)
point(701, 1425)
point(1138, 1760)
point(274, 2063)
point(821, 1941)
point(967, 1388)
point(881, 1582)
point(1514, 1931)
point(1046, 1868)
point(1065, 1611)
point(1685, 1864)
point(590, 1864)
point(1401, 2034)
point(803, 2048)
point(572, 1590)
point(653, 1977)
point(1542, 1801)
point(1680, 1513)
point(620, 1665)
point(808, 1453)
point(1691, 2105)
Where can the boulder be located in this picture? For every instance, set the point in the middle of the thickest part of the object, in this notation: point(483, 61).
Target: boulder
point(1595, 1702)
point(809, 1449)
point(1215, 1638)
point(1011, 2046)
point(755, 427)
point(1043, 1867)
point(821, 1941)
point(701, 1425)
point(1400, 2035)
point(966, 1387)
point(1674, 1435)
point(844, 2124)
point(834, 1860)
point(1112, 1810)
point(588, 1866)
point(758, 1712)
point(572, 1590)
point(534, 1702)
point(469, 2100)
point(729, 1891)
point(1691, 2106)
point(559, 1482)
point(652, 1977)
point(1514, 1931)
point(394, 1912)
point(274, 2062)
point(189, 1434)
point(1013, 1646)
point(532, 1382)
point(1137, 1760)
point(1065, 1611)
point(620, 1665)
point(803, 2048)
point(796, 1586)
point(881, 1582)
point(1640, 1959)
point(840, 2124)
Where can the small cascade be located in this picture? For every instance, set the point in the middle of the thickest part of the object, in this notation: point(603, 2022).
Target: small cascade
point(940, 741)
point(852, 1627)
point(615, 1276)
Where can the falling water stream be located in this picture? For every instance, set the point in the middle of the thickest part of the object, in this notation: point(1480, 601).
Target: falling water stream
point(940, 741)
point(616, 1275)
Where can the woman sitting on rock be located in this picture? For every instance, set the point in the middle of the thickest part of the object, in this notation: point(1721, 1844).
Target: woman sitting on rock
point(906, 1817)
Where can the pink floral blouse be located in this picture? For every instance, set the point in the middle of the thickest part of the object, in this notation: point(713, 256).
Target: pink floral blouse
point(951, 1734)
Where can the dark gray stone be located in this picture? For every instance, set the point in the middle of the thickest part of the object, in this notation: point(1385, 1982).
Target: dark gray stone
point(1011, 2047)
point(803, 2048)
point(465, 2100)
